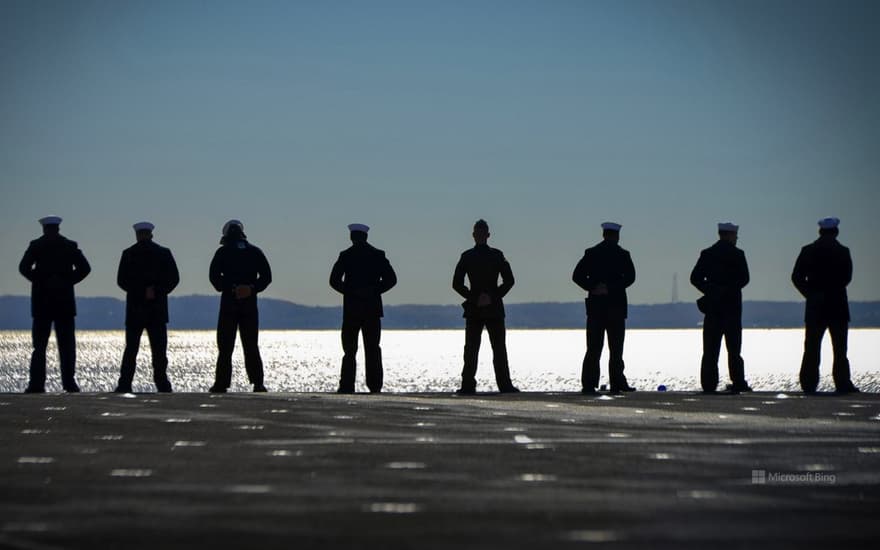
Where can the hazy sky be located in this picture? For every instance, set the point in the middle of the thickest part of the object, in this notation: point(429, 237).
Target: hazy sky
point(418, 117)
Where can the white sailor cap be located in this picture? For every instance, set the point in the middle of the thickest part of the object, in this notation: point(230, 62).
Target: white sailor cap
point(611, 226)
point(359, 227)
point(143, 226)
point(829, 223)
point(229, 224)
point(728, 227)
point(50, 220)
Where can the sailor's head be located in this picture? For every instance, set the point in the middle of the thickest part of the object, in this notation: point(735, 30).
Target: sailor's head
point(143, 231)
point(728, 231)
point(51, 225)
point(233, 230)
point(357, 232)
point(481, 231)
point(829, 226)
point(611, 231)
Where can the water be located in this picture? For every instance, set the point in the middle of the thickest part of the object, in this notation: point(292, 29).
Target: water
point(430, 361)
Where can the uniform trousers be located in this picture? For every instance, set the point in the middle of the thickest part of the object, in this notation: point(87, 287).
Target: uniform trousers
point(716, 326)
point(157, 333)
point(473, 334)
point(371, 329)
point(815, 331)
point(597, 326)
point(65, 337)
point(240, 316)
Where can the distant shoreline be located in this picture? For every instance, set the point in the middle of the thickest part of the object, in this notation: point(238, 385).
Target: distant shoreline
point(199, 312)
point(450, 329)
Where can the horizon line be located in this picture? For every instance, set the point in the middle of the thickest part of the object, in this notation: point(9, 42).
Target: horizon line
point(535, 302)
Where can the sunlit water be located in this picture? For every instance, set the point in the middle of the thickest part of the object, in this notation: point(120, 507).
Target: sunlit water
point(430, 361)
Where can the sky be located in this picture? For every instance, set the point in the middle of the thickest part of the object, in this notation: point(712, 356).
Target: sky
point(418, 117)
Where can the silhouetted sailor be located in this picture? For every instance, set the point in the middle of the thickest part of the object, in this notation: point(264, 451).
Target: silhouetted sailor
point(53, 264)
point(361, 274)
point(483, 307)
point(147, 273)
point(821, 273)
point(239, 271)
point(605, 272)
point(720, 274)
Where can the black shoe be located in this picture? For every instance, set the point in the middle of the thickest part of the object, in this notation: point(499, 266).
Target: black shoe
point(34, 389)
point(739, 388)
point(589, 391)
point(618, 389)
point(259, 388)
point(345, 391)
point(71, 388)
point(217, 389)
point(847, 389)
point(710, 392)
point(163, 389)
point(511, 389)
point(120, 389)
point(465, 391)
point(810, 391)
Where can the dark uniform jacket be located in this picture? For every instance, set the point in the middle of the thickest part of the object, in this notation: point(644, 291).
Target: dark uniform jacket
point(362, 274)
point(237, 263)
point(53, 265)
point(142, 265)
point(720, 274)
point(483, 265)
point(821, 273)
point(605, 263)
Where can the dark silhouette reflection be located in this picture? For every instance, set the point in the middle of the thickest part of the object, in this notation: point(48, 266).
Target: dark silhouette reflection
point(605, 272)
point(821, 274)
point(53, 264)
point(361, 274)
point(239, 271)
point(720, 274)
point(483, 307)
point(147, 273)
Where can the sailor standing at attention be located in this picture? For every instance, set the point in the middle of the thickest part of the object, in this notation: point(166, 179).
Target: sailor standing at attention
point(720, 274)
point(147, 273)
point(361, 274)
point(239, 271)
point(483, 307)
point(53, 264)
point(821, 274)
point(605, 272)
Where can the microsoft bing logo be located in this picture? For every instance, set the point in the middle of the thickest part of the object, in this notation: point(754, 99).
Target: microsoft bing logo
point(763, 477)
